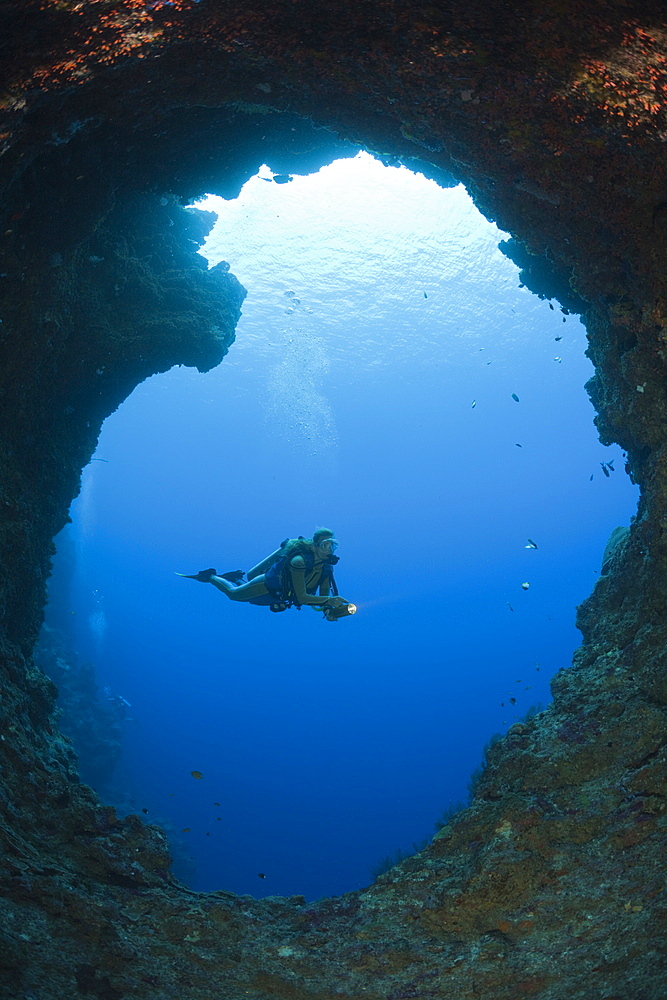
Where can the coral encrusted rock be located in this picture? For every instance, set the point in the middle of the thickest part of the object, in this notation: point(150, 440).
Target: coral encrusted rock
point(114, 116)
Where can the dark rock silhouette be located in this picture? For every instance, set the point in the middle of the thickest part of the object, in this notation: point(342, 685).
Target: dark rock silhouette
point(112, 118)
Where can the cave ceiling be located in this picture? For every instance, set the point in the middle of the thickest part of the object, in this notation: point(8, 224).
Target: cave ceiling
point(113, 117)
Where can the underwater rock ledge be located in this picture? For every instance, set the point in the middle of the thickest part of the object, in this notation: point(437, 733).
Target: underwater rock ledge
point(551, 883)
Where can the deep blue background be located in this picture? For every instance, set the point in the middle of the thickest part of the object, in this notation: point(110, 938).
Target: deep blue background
point(379, 309)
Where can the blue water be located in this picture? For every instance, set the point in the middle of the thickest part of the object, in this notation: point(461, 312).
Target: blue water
point(379, 311)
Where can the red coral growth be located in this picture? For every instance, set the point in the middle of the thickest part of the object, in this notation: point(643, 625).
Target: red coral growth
point(91, 33)
point(631, 82)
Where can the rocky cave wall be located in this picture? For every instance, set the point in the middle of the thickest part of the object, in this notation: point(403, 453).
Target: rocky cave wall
point(115, 115)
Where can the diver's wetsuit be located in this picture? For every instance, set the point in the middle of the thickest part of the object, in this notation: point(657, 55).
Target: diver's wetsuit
point(305, 583)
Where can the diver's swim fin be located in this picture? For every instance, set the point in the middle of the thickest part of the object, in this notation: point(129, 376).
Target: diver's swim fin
point(203, 576)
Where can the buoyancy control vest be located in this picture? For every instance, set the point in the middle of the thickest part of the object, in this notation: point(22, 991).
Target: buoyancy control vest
point(279, 583)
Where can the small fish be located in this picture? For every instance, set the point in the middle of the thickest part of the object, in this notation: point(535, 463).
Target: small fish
point(282, 178)
point(604, 469)
point(186, 829)
point(208, 834)
point(512, 701)
point(474, 403)
point(559, 360)
point(531, 544)
point(517, 445)
point(515, 397)
point(610, 465)
point(551, 307)
point(261, 875)
point(144, 810)
point(591, 479)
point(197, 774)
point(510, 606)
point(218, 818)
point(525, 586)
point(216, 803)
point(558, 338)
point(425, 295)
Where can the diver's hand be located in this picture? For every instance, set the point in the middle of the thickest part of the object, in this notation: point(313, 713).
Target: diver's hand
point(328, 602)
point(335, 602)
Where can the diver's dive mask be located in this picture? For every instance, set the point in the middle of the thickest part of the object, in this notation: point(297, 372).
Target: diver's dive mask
point(328, 544)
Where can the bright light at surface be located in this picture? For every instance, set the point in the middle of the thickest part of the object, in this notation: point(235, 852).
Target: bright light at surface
point(360, 273)
point(331, 240)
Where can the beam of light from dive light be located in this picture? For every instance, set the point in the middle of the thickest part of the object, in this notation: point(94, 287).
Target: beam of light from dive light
point(377, 601)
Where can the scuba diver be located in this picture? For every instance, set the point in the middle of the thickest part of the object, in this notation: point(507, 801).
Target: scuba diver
point(299, 572)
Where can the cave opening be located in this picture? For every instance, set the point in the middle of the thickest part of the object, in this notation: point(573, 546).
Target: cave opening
point(391, 377)
point(554, 118)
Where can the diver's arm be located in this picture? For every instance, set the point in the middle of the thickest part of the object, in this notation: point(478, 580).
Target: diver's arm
point(331, 602)
point(298, 571)
point(325, 589)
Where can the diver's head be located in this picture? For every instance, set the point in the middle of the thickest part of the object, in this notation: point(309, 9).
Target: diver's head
point(324, 540)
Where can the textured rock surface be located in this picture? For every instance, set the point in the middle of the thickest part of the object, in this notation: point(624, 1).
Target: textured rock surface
point(114, 114)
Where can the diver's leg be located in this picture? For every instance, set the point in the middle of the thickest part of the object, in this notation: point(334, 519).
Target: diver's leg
point(246, 592)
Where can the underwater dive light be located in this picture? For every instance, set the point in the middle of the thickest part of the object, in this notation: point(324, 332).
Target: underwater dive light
point(342, 611)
